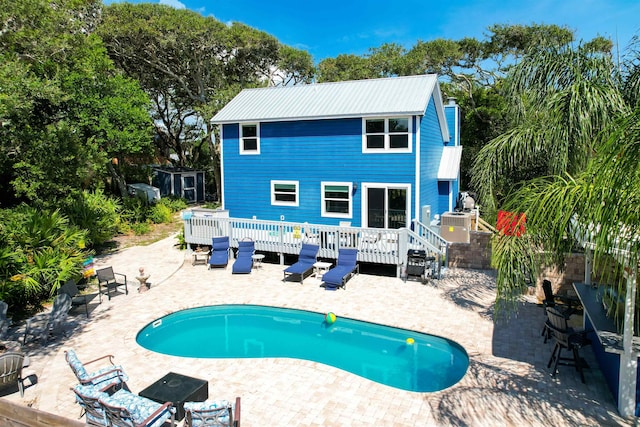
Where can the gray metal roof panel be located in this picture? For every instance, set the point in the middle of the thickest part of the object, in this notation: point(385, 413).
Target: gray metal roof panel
point(357, 98)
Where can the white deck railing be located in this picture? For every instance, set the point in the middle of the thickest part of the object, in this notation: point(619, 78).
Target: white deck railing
point(375, 245)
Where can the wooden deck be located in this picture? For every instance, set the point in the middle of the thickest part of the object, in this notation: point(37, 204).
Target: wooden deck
point(375, 245)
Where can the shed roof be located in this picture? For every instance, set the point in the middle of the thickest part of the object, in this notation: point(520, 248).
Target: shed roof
point(357, 98)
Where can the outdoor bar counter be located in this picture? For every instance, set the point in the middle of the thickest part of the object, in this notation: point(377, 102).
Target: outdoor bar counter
point(607, 342)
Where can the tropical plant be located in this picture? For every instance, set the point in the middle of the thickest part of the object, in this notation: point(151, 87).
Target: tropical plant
point(96, 213)
point(39, 251)
point(574, 127)
point(560, 99)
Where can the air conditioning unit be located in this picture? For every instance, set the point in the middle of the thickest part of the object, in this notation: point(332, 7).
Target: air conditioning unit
point(455, 226)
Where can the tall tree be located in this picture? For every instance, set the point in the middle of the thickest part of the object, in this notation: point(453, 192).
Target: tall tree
point(65, 110)
point(574, 148)
point(191, 66)
point(560, 99)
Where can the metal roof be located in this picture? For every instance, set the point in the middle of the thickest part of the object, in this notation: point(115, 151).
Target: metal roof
point(358, 98)
point(450, 163)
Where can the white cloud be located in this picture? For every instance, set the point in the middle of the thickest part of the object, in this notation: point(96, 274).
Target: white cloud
point(173, 3)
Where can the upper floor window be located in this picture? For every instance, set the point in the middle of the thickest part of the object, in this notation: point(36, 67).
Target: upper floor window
point(284, 193)
point(386, 134)
point(249, 139)
point(336, 199)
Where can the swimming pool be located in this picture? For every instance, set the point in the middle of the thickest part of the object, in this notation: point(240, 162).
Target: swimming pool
point(399, 358)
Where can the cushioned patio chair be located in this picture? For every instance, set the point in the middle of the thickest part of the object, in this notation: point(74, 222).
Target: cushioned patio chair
point(218, 413)
point(304, 266)
point(122, 408)
point(4, 321)
point(87, 397)
point(42, 325)
point(125, 409)
point(346, 267)
point(110, 280)
point(219, 252)
point(106, 378)
point(565, 338)
point(244, 260)
point(11, 370)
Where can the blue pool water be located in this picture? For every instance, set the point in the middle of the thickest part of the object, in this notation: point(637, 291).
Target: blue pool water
point(376, 352)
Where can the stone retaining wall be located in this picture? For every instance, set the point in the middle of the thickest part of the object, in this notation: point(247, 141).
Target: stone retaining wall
point(476, 254)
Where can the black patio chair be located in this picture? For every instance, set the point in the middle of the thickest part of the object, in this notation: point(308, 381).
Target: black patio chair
point(566, 305)
point(111, 280)
point(566, 338)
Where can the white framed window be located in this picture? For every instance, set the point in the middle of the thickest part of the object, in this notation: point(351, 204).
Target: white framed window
point(249, 138)
point(337, 200)
point(285, 193)
point(386, 134)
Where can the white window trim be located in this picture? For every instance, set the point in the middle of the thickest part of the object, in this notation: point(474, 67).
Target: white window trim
point(386, 148)
point(323, 205)
point(241, 141)
point(281, 203)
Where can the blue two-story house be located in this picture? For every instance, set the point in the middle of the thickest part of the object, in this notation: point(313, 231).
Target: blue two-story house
point(373, 153)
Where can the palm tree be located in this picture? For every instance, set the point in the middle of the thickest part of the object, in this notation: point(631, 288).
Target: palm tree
point(571, 159)
point(560, 99)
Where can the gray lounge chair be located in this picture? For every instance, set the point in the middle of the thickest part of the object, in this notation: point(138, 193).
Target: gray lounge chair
point(77, 298)
point(4, 321)
point(43, 324)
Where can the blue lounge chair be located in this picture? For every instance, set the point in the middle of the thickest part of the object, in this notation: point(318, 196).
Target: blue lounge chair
point(219, 252)
point(304, 266)
point(244, 260)
point(346, 267)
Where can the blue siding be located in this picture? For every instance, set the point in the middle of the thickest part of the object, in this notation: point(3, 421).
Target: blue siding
point(432, 145)
point(308, 152)
point(452, 113)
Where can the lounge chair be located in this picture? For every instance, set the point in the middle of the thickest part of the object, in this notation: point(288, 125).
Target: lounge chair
point(4, 321)
point(43, 324)
point(219, 413)
point(77, 298)
point(11, 370)
point(219, 252)
point(111, 280)
point(108, 377)
point(304, 266)
point(244, 260)
point(345, 268)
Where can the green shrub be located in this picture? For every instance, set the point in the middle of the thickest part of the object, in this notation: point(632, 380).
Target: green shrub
point(175, 204)
point(135, 209)
point(160, 213)
point(96, 213)
point(39, 250)
point(140, 228)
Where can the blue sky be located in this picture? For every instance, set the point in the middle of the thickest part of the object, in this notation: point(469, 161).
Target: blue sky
point(330, 28)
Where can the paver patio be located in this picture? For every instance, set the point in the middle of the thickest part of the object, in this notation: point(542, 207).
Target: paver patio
point(507, 384)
